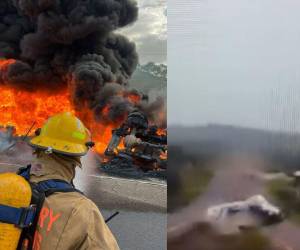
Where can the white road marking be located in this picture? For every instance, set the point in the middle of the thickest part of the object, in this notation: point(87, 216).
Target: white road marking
point(129, 180)
point(11, 164)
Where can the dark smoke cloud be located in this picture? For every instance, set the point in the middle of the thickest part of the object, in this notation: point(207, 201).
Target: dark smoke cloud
point(71, 44)
point(156, 111)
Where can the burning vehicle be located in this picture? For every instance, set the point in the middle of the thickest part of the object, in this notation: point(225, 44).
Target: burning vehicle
point(57, 57)
point(136, 146)
point(252, 212)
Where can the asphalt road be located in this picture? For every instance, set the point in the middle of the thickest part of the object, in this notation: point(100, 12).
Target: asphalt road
point(138, 226)
point(141, 224)
point(139, 230)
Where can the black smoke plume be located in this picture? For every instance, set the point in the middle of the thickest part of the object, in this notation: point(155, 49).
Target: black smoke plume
point(71, 44)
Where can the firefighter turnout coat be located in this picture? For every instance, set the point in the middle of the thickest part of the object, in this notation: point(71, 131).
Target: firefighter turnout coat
point(67, 220)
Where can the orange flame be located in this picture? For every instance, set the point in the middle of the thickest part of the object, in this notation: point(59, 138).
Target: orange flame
point(164, 155)
point(22, 108)
point(161, 131)
point(134, 98)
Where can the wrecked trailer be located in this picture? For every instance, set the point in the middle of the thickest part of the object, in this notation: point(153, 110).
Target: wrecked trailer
point(136, 149)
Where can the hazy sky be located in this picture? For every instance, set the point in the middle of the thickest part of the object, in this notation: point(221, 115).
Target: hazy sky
point(234, 62)
point(149, 32)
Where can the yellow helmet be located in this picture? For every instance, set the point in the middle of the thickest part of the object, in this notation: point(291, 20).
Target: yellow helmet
point(63, 133)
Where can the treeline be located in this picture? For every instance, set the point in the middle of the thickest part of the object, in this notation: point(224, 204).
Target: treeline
point(281, 149)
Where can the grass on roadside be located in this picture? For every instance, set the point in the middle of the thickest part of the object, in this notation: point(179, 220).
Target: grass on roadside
point(287, 197)
point(194, 182)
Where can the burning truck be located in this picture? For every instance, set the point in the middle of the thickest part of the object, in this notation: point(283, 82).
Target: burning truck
point(58, 56)
point(136, 146)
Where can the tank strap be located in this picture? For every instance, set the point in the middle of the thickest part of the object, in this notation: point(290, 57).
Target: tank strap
point(24, 217)
point(21, 217)
point(41, 190)
point(49, 187)
point(25, 172)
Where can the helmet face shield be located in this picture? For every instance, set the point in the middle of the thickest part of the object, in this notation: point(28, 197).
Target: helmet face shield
point(63, 133)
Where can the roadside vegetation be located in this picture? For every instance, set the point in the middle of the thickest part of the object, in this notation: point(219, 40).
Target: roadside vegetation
point(194, 181)
point(287, 197)
point(188, 177)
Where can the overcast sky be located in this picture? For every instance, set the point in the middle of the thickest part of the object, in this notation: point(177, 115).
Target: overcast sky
point(234, 62)
point(149, 32)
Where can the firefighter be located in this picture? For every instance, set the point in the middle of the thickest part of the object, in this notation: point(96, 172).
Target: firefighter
point(67, 219)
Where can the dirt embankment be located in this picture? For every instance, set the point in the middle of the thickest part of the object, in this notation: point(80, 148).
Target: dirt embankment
point(236, 177)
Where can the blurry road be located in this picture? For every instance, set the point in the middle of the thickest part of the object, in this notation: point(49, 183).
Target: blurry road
point(236, 177)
